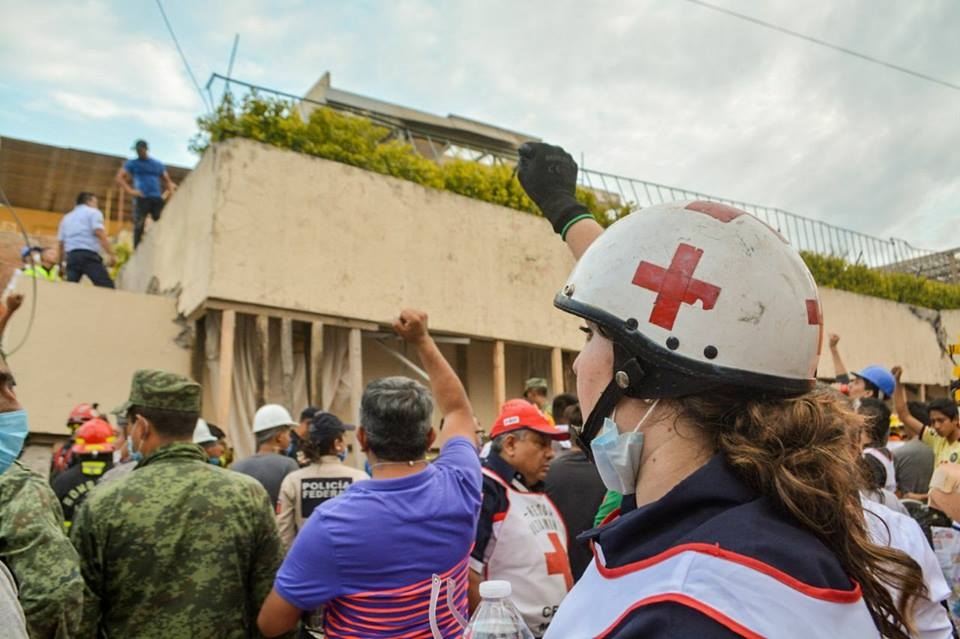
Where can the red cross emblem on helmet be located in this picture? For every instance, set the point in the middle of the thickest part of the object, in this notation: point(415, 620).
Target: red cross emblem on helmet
point(675, 285)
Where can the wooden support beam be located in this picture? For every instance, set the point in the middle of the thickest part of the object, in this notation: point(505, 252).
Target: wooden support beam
point(286, 361)
point(315, 392)
point(108, 211)
point(198, 360)
point(499, 375)
point(355, 360)
point(228, 324)
point(556, 372)
point(275, 311)
point(121, 198)
point(263, 351)
point(923, 392)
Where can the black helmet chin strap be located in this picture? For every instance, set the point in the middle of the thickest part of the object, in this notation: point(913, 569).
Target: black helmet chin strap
point(627, 374)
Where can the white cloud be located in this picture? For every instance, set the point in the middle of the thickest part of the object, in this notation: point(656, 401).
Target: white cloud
point(664, 91)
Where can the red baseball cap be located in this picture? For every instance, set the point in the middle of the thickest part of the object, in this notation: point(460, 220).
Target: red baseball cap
point(519, 413)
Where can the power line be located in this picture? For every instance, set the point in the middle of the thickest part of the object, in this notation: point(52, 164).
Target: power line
point(823, 43)
point(183, 57)
point(33, 298)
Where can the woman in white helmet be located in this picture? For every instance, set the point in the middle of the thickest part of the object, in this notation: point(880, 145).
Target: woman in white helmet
point(741, 515)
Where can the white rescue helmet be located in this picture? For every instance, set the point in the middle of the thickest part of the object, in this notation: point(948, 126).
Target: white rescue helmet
point(271, 416)
point(696, 295)
point(202, 434)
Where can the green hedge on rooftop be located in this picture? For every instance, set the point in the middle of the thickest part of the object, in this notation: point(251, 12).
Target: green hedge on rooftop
point(359, 142)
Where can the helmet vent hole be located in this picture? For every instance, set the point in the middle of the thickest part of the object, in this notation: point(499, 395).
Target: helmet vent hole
point(632, 323)
point(673, 343)
point(710, 352)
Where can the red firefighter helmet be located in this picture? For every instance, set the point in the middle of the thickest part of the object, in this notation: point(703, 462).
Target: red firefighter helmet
point(81, 414)
point(94, 436)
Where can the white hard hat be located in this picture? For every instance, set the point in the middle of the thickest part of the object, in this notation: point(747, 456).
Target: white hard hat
point(696, 295)
point(202, 434)
point(271, 416)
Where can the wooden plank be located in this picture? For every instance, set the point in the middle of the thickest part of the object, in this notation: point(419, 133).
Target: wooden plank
point(286, 360)
point(198, 358)
point(263, 351)
point(499, 375)
point(355, 360)
point(556, 371)
point(228, 325)
point(273, 311)
point(315, 392)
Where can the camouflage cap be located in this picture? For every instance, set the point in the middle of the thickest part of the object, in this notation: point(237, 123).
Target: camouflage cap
point(534, 383)
point(152, 388)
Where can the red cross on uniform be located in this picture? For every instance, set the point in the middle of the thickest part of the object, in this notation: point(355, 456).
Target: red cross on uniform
point(675, 285)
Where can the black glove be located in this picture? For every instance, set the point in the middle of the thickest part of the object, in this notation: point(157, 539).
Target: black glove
point(549, 176)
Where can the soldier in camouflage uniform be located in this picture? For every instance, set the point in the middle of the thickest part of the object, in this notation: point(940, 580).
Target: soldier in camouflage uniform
point(33, 544)
point(179, 547)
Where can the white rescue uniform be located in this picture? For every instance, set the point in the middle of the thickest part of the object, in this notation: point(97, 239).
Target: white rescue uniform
point(890, 528)
point(745, 595)
point(529, 549)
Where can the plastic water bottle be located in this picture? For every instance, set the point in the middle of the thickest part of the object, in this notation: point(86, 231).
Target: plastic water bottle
point(496, 617)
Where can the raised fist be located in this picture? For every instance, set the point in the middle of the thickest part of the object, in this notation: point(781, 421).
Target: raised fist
point(549, 176)
point(411, 325)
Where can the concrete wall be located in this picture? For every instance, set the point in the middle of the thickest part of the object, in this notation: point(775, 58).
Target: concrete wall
point(877, 331)
point(259, 225)
point(302, 233)
point(176, 254)
point(84, 346)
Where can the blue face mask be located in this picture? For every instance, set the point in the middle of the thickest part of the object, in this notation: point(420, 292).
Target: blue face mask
point(214, 460)
point(13, 431)
point(342, 455)
point(134, 455)
point(617, 455)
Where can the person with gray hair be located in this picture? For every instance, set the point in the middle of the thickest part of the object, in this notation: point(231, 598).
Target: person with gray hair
point(376, 555)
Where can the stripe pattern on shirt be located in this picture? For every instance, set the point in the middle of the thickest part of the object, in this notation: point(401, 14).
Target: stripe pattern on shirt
point(402, 613)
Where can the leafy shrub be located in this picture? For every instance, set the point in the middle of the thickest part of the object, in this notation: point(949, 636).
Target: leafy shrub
point(359, 142)
point(835, 272)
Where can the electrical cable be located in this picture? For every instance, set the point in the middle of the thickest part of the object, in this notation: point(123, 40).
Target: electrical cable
point(823, 43)
point(33, 297)
point(183, 57)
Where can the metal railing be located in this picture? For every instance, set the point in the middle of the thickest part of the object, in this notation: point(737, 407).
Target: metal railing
point(804, 234)
point(616, 191)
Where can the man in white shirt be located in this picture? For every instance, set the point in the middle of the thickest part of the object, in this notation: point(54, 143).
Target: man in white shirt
point(82, 235)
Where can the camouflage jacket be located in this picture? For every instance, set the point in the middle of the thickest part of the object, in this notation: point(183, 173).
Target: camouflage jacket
point(38, 553)
point(179, 548)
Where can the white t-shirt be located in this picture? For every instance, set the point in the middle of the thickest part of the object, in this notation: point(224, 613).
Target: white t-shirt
point(889, 528)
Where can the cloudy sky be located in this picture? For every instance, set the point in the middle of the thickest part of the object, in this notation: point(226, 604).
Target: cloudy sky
point(661, 90)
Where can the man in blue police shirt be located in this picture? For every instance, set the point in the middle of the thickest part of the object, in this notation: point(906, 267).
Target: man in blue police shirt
point(140, 177)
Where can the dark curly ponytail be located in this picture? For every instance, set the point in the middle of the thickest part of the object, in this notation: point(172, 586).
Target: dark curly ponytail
point(797, 452)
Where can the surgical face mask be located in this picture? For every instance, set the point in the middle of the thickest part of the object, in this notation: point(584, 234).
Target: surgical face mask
point(342, 455)
point(617, 455)
point(216, 461)
point(13, 432)
point(134, 454)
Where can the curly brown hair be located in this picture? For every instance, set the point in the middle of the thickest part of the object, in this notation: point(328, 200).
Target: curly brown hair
point(797, 452)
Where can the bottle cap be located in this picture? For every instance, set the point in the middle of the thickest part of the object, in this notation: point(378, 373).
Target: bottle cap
point(495, 589)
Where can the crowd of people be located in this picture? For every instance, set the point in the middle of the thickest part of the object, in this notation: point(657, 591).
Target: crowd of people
point(701, 483)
